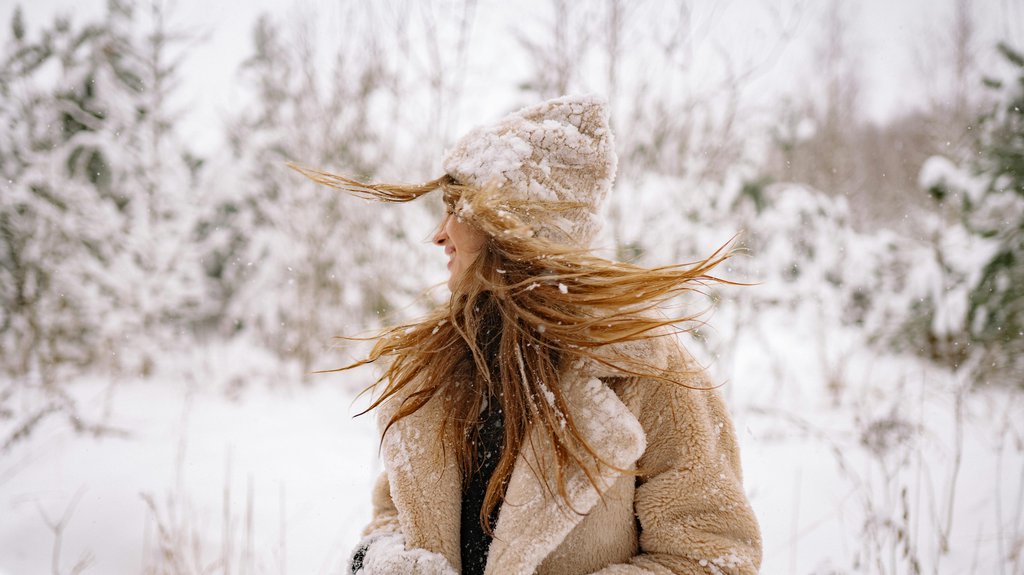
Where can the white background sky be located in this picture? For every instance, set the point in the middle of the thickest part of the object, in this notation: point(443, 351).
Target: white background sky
point(888, 37)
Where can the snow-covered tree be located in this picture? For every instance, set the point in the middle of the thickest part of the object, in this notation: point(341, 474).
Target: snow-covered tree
point(996, 313)
point(58, 213)
point(988, 193)
point(158, 270)
point(295, 263)
point(95, 214)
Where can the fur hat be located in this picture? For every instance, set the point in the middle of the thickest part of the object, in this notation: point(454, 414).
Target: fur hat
point(558, 150)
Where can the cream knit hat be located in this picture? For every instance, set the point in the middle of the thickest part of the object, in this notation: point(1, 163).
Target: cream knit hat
point(558, 150)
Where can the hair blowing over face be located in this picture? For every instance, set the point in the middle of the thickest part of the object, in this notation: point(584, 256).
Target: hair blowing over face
point(526, 308)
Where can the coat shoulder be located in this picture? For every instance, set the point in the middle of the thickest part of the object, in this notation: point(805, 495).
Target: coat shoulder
point(681, 410)
point(690, 499)
point(654, 370)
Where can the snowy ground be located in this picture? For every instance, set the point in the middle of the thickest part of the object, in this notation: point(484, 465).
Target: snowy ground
point(296, 451)
point(862, 476)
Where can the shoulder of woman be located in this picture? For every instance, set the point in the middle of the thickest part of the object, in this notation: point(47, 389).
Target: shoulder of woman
point(665, 373)
point(658, 355)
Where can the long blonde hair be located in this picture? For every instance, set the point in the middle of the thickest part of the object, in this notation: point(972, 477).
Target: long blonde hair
point(522, 312)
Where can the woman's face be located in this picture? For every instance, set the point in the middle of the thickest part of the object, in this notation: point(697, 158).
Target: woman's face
point(462, 243)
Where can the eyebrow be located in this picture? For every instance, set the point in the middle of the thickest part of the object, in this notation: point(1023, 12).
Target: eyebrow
point(450, 198)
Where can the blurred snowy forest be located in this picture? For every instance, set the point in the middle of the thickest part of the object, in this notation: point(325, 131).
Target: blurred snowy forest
point(164, 307)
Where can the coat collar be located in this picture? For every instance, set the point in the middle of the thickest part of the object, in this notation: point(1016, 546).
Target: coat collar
point(532, 522)
point(426, 485)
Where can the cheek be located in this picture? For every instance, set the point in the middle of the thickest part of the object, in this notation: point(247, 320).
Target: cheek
point(475, 241)
point(467, 240)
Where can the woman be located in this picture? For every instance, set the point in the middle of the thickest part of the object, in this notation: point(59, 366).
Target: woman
point(546, 420)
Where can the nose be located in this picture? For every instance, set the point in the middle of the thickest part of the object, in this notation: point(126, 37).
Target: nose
point(441, 236)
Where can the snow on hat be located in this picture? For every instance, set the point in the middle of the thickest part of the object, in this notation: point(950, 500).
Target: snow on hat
point(558, 150)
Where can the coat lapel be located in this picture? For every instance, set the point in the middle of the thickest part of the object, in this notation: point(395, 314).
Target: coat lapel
point(425, 484)
point(531, 524)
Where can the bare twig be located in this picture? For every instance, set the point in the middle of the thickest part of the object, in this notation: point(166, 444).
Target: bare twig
point(227, 535)
point(25, 428)
point(248, 555)
point(283, 530)
point(58, 526)
point(958, 448)
point(795, 523)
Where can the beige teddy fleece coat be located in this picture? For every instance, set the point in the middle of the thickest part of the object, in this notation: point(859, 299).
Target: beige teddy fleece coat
point(684, 513)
